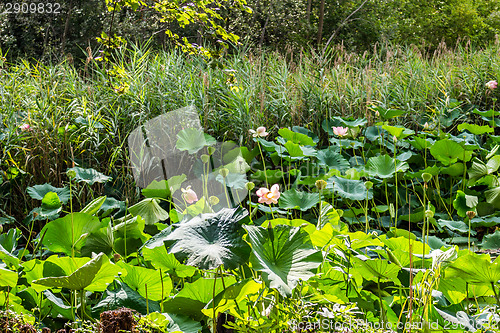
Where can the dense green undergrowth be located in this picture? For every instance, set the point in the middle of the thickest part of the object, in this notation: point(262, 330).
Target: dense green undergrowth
point(381, 213)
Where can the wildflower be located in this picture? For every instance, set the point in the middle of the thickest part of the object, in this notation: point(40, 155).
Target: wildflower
point(259, 133)
point(189, 195)
point(340, 131)
point(491, 85)
point(25, 127)
point(269, 196)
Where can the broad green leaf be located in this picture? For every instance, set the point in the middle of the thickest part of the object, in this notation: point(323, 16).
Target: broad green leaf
point(149, 210)
point(147, 282)
point(123, 296)
point(475, 269)
point(493, 196)
point(89, 176)
point(384, 166)
point(95, 275)
point(491, 241)
point(208, 241)
point(7, 278)
point(350, 189)
point(377, 269)
point(38, 192)
point(447, 151)
point(193, 140)
point(195, 296)
point(297, 138)
point(328, 214)
point(163, 189)
point(69, 232)
point(283, 254)
point(161, 259)
point(331, 158)
point(51, 201)
point(458, 226)
point(475, 129)
point(293, 199)
point(464, 203)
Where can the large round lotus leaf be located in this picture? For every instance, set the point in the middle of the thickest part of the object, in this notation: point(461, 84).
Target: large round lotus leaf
point(475, 269)
point(149, 210)
point(349, 189)
point(384, 166)
point(208, 241)
point(331, 158)
point(192, 140)
point(492, 241)
point(475, 129)
point(147, 282)
point(293, 199)
point(68, 234)
point(89, 176)
point(7, 278)
point(38, 192)
point(376, 269)
point(447, 151)
point(295, 137)
point(283, 254)
point(464, 203)
point(161, 259)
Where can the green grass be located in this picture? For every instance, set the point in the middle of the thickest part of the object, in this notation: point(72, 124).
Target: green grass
point(242, 91)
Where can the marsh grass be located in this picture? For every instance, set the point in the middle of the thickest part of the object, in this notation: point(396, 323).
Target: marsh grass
point(79, 114)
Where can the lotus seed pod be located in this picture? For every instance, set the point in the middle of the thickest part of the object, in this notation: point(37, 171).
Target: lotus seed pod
point(320, 184)
point(213, 200)
point(211, 150)
point(117, 257)
point(71, 173)
point(224, 172)
point(426, 177)
point(205, 158)
point(471, 214)
point(368, 185)
point(249, 186)
point(429, 213)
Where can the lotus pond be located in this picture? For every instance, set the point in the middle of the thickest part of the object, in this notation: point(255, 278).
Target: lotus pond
point(364, 227)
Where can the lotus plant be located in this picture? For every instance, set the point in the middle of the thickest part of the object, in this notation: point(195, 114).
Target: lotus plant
point(269, 196)
point(260, 132)
point(189, 195)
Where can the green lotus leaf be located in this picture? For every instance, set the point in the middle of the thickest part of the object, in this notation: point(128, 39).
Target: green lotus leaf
point(331, 158)
point(7, 278)
point(147, 282)
point(161, 259)
point(349, 189)
point(67, 234)
point(296, 137)
point(38, 192)
point(121, 296)
point(475, 129)
point(208, 241)
point(493, 196)
point(193, 140)
point(93, 275)
point(384, 166)
point(398, 131)
point(149, 210)
point(89, 176)
point(283, 254)
point(94, 206)
point(293, 199)
point(457, 226)
point(447, 151)
point(475, 269)
point(491, 241)
point(464, 203)
point(377, 269)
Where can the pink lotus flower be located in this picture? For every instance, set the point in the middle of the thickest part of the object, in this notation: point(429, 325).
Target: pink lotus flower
point(189, 195)
point(25, 127)
point(259, 133)
point(269, 196)
point(340, 131)
point(491, 85)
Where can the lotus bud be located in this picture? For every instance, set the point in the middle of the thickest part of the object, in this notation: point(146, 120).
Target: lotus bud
point(205, 158)
point(71, 174)
point(429, 213)
point(224, 172)
point(368, 185)
point(213, 200)
point(471, 214)
point(320, 184)
point(426, 126)
point(392, 211)
point(249, 186)
point(394, 139)
point(211, 150)
point(426, 177)
point(1, 228)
